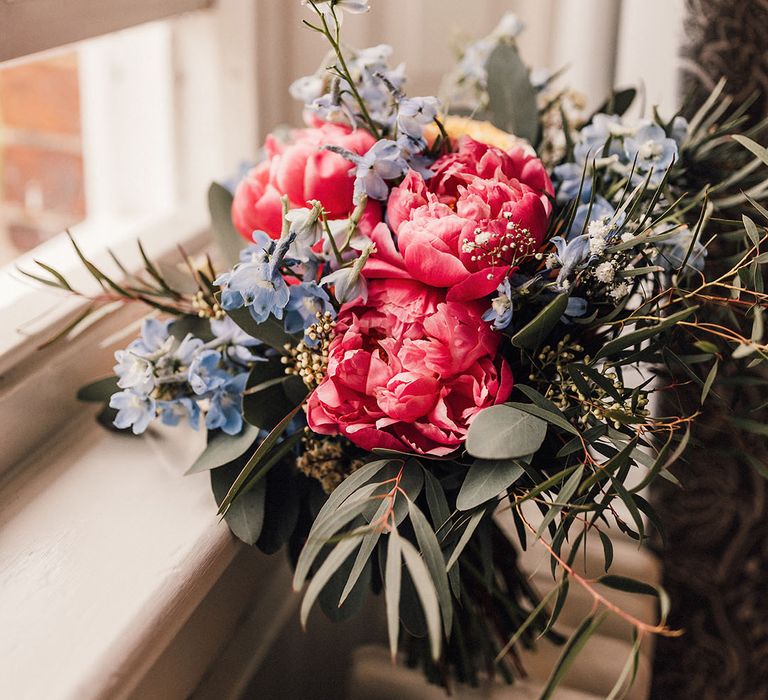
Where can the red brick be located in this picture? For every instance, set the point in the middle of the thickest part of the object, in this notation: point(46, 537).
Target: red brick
point(42, 95)
point(53, 177)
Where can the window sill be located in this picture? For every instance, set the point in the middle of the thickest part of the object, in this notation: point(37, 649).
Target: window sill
point(94, 595)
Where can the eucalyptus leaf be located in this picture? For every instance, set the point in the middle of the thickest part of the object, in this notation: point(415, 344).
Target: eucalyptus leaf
point(485, 480)
point(245, 517)
point(435, 561)
point(512, 98)
point(504, 432)
point(427, 593)
point(222, 449)
point(270, 332)
point(329, 567)
point(392, 580)
point(535, 332)
point(98, 391)
point(226, 236)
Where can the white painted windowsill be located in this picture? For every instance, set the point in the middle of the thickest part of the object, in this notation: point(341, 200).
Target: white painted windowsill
point(106, 549)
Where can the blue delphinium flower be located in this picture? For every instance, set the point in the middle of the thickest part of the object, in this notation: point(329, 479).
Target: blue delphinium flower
point(413, 113)
point(134, 410)
point(651, 151)
point(572, 181)
point(206, 373)
point(173, 412)
point(569, 255)
point(307, 225)
point(225, 411)
point(307, 300)
point(134, 372)
point(501, 307)
point(154, 337)
point(349, 282)
point(382, 162)
point(257, 283)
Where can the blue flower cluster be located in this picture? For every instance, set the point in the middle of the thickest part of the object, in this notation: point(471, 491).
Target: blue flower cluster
point(175, 379)
point(611, 145)
point(402, 119)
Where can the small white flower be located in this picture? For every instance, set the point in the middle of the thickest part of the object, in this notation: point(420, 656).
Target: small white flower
point(599, 228)
point(482, 238)
point(605, 272)
point(627, 236)
point(597, 246)
point(551, 261)
point(620, 291)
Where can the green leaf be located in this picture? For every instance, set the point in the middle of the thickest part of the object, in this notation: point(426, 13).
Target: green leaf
point(504, 432)
point(334, 560)
point(349, 486)
point(756, 148)
point(323, 530)
point(410, 486)
point(258, 456)
point(392, 579)
point(563, 499)
point(628, 673)
point(245, 517)
point(751, 228)
point(511, 97)
point(223, 449)
point(472, 524)
point(535, 332)
point(441, 516)
point(574, 645)
point(546, 415)
point(618, 103)
point(364, 553)
point(628, 339)
point(426, 592)
point(226, 236)
point(270, 332)
point(709, 381)
point(435, 561)
point(99, 391)
point(485, 480)
point(628, 585)
point(266, 399)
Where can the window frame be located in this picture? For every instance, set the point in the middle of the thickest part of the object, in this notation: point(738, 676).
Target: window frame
point(213, 128)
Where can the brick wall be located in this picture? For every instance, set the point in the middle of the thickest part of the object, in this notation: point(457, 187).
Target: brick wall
point(41, 161)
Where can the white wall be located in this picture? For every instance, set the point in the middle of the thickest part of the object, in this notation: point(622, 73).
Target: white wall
point(603, 42)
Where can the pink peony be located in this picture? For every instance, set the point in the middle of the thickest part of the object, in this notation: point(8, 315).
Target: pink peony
point(303, 171)
point(466, 228)
point(408, 370)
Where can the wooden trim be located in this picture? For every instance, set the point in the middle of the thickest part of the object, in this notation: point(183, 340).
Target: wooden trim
point(30, 26)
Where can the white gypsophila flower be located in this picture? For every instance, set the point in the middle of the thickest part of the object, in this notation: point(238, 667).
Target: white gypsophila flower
point(605, 272)
point(599, 228)
point(597, 245)
point(551, 261)
point(627, 236)
point(620, 291)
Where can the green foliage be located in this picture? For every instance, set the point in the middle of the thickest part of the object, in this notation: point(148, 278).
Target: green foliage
point(225, 235)
point(511, 97)
point(504, 432)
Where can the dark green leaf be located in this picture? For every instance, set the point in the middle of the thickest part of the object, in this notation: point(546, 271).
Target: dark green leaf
point(535, 332)
point(246, 515)
point(270, 332)
point(98, 391)
point(392, 581)
point(574, 645)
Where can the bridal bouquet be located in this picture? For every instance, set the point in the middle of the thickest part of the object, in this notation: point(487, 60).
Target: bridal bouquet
point(440, 315)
